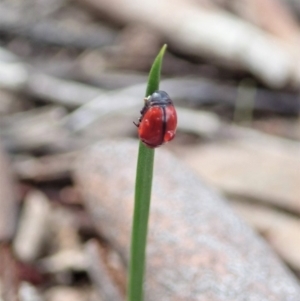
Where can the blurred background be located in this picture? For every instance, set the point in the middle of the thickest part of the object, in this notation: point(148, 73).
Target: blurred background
point(73, 72)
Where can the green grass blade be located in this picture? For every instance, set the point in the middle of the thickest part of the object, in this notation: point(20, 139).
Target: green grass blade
point(143, 187)
point(154, 75)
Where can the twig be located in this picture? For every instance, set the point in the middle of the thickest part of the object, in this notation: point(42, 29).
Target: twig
point(46, 168)
point(53, 32)
point(8, 200)
point(100, 274)
point(33, 227)
point(229, 38)
point(9, 281)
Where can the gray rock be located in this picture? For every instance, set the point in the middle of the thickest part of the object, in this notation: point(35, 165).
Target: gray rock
point(198, 248)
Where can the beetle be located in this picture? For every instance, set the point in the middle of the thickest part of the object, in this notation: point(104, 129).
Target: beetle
point(158, 121)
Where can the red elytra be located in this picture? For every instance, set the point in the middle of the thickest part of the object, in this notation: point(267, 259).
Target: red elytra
point(158, 121)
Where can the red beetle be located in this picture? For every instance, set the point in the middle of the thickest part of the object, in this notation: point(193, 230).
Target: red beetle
point(158, 121)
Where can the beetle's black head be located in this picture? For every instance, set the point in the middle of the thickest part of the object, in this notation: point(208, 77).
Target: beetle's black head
point(159, 98)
